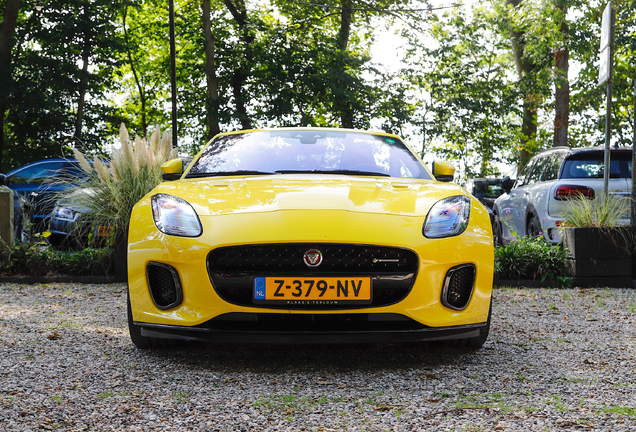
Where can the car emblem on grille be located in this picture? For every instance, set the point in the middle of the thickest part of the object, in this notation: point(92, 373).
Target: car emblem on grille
point(313, 258)
point(386, 260)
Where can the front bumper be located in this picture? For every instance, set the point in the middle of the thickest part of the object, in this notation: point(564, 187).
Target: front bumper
point(201, 302)
point(241, 333)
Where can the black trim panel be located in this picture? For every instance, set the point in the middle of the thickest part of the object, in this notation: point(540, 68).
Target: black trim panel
point(309, 336)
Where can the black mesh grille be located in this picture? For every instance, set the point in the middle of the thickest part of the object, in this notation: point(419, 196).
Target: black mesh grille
point(164, 285)
point(458, 286)
point(288, 258)
point(233, 269)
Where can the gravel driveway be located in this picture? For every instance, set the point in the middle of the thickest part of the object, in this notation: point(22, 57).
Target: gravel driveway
point(555, 360)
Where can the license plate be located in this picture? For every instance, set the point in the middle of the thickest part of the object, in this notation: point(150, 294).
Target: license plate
point(312, 291)
point(103, 231)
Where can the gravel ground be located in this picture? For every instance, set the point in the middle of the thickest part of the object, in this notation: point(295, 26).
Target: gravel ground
point(555, 360)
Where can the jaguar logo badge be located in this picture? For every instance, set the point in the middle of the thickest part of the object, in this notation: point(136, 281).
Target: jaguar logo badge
point(313, 258)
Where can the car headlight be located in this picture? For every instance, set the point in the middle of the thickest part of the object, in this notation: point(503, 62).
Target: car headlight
point(64, 213)
point(448, 217)
point(175, 216)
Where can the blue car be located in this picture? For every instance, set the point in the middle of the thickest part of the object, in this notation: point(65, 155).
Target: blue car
point(35, 186)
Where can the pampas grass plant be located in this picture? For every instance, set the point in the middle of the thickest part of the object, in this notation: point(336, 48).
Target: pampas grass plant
point(114, 188)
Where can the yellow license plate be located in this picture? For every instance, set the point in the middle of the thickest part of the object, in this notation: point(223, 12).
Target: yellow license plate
point(103, 231)
point(311, 291)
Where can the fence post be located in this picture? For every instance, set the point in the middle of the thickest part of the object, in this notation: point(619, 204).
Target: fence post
point(6, 215)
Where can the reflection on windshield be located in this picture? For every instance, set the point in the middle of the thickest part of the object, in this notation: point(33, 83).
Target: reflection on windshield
point(293, 151)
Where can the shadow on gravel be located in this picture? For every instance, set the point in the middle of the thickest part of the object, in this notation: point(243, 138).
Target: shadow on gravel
point(314, 358)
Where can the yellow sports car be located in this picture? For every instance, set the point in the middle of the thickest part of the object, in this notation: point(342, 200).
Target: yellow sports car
point(309, 235)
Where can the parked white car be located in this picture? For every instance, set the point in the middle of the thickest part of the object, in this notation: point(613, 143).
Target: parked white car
point(533, 204)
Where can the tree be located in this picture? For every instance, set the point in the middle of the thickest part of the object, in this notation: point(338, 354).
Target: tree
point(473, 100)
point(588, 99)
point(212, 84)
point(144, 65)
point(562, 83)
point(7, 39)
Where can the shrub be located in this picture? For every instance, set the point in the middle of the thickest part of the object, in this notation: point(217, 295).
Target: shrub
point(115, 187)
point(531, 258)
point(87, 262)
point(39, 259)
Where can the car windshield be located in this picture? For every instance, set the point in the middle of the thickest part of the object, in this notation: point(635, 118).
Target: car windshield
point(307, 151)
point(488, 189)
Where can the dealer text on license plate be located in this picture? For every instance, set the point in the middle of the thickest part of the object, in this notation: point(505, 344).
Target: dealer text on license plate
point(311, 291)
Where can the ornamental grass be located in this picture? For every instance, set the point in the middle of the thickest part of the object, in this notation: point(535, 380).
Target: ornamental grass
point(114, 187)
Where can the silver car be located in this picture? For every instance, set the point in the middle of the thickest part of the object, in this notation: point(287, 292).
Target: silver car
point(533, 204)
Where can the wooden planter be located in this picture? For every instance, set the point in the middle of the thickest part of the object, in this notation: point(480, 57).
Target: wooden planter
point(599, 256)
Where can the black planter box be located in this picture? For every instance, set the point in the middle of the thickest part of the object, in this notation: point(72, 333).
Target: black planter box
point(599, 256)
point(597, 243)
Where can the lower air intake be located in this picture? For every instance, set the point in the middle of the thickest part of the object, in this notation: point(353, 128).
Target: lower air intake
point(458, 286)
point(164, 284)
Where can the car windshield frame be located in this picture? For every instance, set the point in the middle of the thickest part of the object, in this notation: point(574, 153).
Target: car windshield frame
point(307, 151)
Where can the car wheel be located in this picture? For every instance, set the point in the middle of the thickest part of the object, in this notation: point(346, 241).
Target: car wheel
point(496, 231)
point(26, 226)
point(474, 342)
point(144, 341)
point(534, 227)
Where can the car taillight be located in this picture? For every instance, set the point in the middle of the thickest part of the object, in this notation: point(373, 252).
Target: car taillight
point(566, 192)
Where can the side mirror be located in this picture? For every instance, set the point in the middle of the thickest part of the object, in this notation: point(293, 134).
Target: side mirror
point(4, 181)
point(507, 183)
point(172, 169)
point(443, 171)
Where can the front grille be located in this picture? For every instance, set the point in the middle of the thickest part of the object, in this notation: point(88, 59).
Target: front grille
point(164, 284)
point(233, 269)
point(458, 286)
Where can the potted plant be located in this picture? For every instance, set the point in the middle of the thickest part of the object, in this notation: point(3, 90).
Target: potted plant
point(599, 249)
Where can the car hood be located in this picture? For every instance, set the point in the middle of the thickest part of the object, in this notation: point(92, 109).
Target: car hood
point(219, 196)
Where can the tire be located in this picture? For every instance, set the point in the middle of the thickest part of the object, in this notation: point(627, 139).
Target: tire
point(534, 227)
point(496, 231)
point(145, 342)
point(475, 342)
point(25, 228)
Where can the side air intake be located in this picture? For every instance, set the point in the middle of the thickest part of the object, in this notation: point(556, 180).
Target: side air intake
point(164, 284)
point(458, 286)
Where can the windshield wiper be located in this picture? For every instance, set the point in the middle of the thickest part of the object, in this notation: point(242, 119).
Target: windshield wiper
point(345, 172)
point(228, 173)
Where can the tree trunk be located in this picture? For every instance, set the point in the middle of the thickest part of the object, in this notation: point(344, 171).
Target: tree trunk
point(239, 77)
point(342, 95)
point(7, 29)
point(562, 102)
point(212, 102)
point(529, 121)
point(84, 75)
point(140, 88)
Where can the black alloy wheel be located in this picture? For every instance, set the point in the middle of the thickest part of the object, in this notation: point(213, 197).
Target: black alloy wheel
point(497, 231)
point(534, 226)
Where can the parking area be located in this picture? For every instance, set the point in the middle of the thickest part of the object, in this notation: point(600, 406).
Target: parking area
point(556, 359)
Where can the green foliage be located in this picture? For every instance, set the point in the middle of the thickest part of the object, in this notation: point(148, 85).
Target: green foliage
point(588, 101)
point(39, 259)
point(86, 262)
point(531, 259)
point(472, 117)
point(286, 62)
point(599, 212)
point(48, 59)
